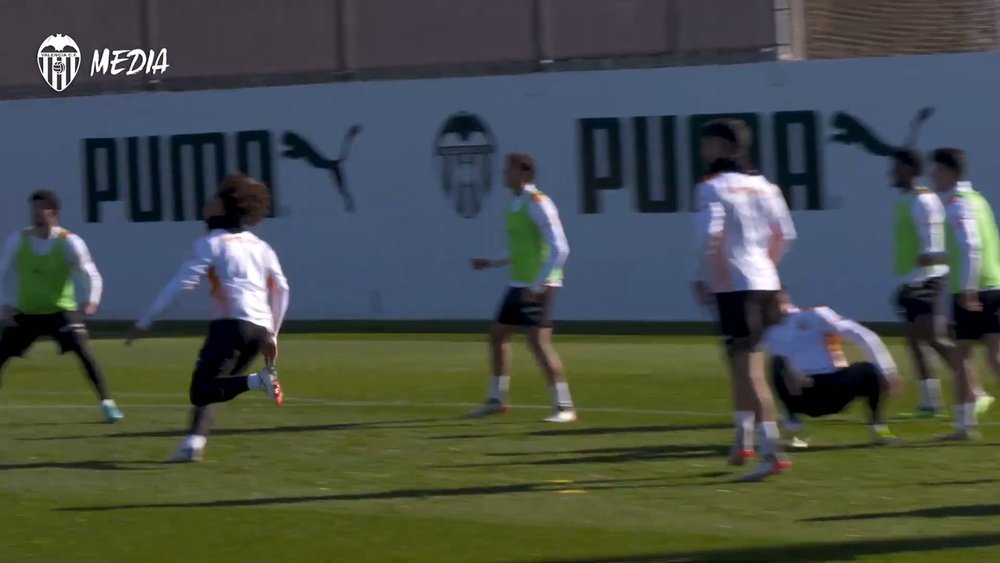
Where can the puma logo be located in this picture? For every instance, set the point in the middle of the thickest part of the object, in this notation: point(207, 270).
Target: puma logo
point(298, 148)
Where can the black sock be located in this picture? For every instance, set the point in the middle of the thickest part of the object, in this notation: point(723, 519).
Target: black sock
point(202, 419)
point(93, 371)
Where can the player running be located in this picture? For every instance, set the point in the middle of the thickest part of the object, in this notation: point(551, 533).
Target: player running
point(973, 251)
point(811, 372)
point(743, 228)
point(537, 250)
point(38, 268)
point(251, 296)
point(918, 241)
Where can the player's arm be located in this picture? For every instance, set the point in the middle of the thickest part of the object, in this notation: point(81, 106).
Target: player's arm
point(8, 292)
point(86, 273)
point(186, 279)
point(278, 292)
point(499, 261)
point(546, 217)
point(928, 215)
point(962, 218)
point(861, 337)
point(782, 226)
point(708, 223)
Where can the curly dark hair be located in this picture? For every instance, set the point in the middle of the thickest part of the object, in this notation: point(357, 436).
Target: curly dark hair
point(246, 201)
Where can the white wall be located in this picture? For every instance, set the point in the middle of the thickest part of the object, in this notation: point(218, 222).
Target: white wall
point(407, 244)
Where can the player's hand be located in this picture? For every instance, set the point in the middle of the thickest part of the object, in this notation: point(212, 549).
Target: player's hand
point(481, 263)
point(702, 295)
point(89, 309)
point(529, 295)
point(270, 351)
point(970, 301)
point(893, 383)
point(135, 333)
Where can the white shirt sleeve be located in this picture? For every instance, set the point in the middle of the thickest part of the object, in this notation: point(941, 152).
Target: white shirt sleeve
point(962, 219)
point(782, 225)
point(8, 291)
point(858, 335)
point(186, 279)
point(546, 217)
point(928, 215)
point(708, 224)
point(86, 271)
point(277, 291)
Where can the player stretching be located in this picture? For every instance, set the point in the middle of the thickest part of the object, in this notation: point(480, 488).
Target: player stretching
point(251, 294)
point(39, 299)
point(919, 240)
point(537, 250)
point(812, 375)
point(743, 229)
point(973, 249)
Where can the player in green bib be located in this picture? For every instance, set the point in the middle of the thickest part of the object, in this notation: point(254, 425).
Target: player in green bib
point(536, 252)
point(918, 241)
point(38, 293)
point(973, 253)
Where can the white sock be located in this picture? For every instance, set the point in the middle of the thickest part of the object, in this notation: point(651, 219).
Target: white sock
point(108, 403)
point(500, 388)
point(744, 428)
point(768, 436)
point(560, 395)
point(254, 382)
point(194, 441)
point(879, 429)
point(971, 420)
point(930, 393)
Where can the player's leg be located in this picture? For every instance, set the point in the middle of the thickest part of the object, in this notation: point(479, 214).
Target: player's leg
point(733, 328)
point(16, 339)
point(968, 331)
point(498, 342)
point(762, 311)
point(537, 318)
point(790, 403)
point(70, 333)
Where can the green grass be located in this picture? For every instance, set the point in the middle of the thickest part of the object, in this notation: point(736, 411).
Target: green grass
point(368, 461)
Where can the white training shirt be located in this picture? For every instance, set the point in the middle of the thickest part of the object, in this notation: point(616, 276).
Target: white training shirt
point(962, 220)
point(544, 214)
point(929, 217)
point(742, 228)
point(247, 282)
point(88, 280)
point(810, 341)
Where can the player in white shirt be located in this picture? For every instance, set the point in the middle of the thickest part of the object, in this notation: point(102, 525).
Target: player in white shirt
point(251, 296)
point(41, 268)
point(812, 375)
point(743, 228)
point(918, 240)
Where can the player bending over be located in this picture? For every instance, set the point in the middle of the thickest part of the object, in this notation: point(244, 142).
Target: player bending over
point(38, 293)
point(251, 296)
point(743, 228)
point(812, 375)
point(973, 251)
point(918, 240)
point(537, 250)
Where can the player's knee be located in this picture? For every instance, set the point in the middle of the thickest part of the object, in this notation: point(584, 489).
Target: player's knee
point(498, 334)
point(741, 345)
point(198, 396)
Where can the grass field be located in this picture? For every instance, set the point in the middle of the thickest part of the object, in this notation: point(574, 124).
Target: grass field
point(369, 461)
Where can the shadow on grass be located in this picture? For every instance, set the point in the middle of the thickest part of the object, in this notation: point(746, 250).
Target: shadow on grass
point(177, 432)
point(806, 553)
point(596, 431)
point(959, 483)
point(519, 488)
point(92, 465)
point(961, 511)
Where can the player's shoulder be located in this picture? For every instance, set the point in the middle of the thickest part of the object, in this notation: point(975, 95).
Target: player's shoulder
point(824, 314)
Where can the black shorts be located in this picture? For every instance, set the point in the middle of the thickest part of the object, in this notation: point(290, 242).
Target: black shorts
point(745, 315)
point(65, 327)
point(515, 311)
point(829, 393)
point(973, 325)
point(230, 347)
point(913, 302)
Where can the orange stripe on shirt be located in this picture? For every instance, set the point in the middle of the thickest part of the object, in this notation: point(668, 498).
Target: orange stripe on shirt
point(835, 350)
